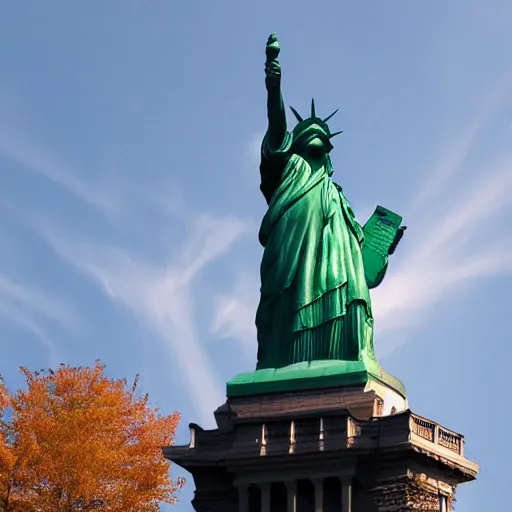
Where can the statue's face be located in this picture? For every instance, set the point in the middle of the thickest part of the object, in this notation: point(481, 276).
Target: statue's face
point(315, 154)
point(317, 142)
point(315, 149)
point(312, 144)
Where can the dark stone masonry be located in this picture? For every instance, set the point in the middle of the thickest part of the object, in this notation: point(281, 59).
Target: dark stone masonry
point(322, 451)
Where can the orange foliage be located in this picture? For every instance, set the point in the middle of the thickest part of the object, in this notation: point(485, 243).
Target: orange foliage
point(7, 458)
point(78, 441)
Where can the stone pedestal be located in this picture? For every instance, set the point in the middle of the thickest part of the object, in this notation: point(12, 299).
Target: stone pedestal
point(323, 450)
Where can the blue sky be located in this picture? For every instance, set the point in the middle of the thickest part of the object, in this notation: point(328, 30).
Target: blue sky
point(130, 200)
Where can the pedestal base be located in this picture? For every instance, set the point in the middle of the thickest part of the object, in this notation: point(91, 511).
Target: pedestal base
point(322, 449)
point(318, 375)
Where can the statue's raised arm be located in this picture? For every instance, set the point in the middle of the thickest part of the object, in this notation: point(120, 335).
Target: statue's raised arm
point(275, 105)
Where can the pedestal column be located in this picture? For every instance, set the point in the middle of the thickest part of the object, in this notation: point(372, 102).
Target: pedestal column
point(291, 488)
point(265, 497)
point(319, 494)
point(346, 496)
point(243, 498)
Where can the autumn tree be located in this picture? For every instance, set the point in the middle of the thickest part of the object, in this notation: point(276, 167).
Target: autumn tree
point(75, 440)
point(7, 459)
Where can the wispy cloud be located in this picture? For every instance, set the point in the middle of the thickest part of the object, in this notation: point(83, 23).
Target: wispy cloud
point(455, 252)
point(25, 153)
point(454, 246)
point(29, 324)
point(235, 311)
point(38, 302)
point(161, 295)
point(29, 307)
point(459, 150)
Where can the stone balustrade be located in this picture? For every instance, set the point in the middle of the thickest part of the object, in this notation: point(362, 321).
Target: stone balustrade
point(437, 434)
point(329, 433)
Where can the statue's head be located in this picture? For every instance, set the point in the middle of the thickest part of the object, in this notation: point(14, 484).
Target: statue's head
point(313, 131)
point(313, 136)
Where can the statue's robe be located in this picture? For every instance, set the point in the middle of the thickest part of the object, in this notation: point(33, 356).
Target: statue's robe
point(315, 302)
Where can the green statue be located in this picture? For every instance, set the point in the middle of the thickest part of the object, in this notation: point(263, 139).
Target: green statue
point(318, 263)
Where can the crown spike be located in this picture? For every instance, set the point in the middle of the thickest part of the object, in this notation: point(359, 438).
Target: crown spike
point(297, 115)
point(329, 117)
point(334, 134)
point(313, 113)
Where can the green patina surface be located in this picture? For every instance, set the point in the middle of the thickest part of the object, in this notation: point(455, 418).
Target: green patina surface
point(314, 320)
point(311, 375)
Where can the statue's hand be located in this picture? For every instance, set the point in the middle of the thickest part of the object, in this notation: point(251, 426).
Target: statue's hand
point(272, 66)
point(272, 74)
point(397, 239)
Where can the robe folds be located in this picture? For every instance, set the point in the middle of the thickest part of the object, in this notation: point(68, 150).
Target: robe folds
point(315, 301)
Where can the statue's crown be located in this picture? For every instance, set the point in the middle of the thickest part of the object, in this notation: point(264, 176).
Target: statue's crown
point(304, 124)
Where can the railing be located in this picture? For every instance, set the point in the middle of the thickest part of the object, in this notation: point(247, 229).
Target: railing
point(296, 436)
point(437, 434)
point(423, 428)
point(450, 440)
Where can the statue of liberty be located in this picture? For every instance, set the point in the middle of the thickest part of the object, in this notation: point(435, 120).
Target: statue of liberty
point(318, 262)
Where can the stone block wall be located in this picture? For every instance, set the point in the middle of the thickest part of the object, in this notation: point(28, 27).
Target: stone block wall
point(406, 496)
